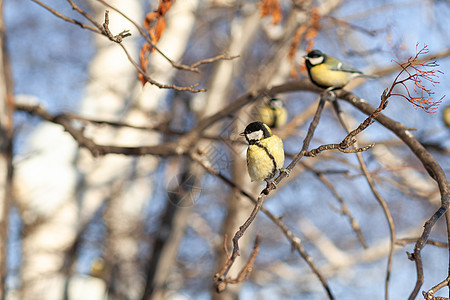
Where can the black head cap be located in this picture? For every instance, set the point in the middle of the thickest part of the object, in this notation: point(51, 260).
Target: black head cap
point(314, 58)
point(254, 127)
point(315, 53)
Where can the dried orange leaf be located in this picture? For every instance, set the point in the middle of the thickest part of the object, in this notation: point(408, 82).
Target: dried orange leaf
point(154, 21)
point(159, 28)
point(295, 41)
point(271, 8)
point(142, 79)
point(149, 18)
point(155, 24)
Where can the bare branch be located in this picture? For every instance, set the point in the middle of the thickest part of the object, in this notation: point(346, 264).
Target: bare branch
point(377, 196)
point(404, 241)
point(70, 20)
point(345, 211)
point(213, 59)
point(295, 241)
point(115, 38)
point(430, 164)
point(246, 270)
point(164, 150)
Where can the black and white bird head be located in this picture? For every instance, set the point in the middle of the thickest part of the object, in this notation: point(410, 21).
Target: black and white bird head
point(315, 57)
point(255, 132)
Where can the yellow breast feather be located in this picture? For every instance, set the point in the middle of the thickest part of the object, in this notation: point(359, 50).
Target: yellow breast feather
point(265, 158)
point(325, 77)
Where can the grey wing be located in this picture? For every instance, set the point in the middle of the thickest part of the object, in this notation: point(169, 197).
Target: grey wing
point(340, 66)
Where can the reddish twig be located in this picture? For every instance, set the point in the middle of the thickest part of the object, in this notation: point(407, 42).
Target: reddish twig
point(418, 73)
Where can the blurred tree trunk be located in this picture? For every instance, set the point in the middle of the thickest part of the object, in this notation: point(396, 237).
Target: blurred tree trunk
point(120, 184)
point(6, 133)
point(53, 226)
point(181, 196)
point(180, 23)
point(243, 31)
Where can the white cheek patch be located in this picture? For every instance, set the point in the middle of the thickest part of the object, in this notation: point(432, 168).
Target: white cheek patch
point(316, 60)
point(276, 104)
point(256, 135)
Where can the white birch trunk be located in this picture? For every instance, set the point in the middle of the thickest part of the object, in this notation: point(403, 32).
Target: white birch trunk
point(6, 134)
point(131, 176)
point(53, 208)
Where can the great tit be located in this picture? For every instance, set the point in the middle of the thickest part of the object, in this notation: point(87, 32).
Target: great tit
point(273, 113)
point(265, 153)
point(328, 72)
point(446, 115)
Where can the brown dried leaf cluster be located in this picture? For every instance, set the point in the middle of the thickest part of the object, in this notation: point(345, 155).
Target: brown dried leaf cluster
point(155, 24)
point(271, 8)
point(307, 32)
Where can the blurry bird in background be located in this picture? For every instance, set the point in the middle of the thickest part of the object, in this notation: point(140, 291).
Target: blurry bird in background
point(273, 113)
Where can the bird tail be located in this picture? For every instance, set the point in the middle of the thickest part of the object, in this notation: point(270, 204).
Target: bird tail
point(368, 76)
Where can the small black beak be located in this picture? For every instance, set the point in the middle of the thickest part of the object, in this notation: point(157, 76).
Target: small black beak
point(242, 134)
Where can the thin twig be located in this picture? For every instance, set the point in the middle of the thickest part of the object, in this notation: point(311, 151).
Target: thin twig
point(213, 59)
point(145, 35)
point(190, 88)
point(67, 19)
point(103, 29)
point(294, 240)
point(377, 195)
point(115, 38)
point(430, 164)
point(221, 276)
point(344, 210)
point(85, 14)
point(404, 241)
point(246, 270)
point(440, 285)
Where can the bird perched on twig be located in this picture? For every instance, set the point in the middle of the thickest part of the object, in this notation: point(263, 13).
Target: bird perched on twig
point(328, 72)
point(265, 153)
